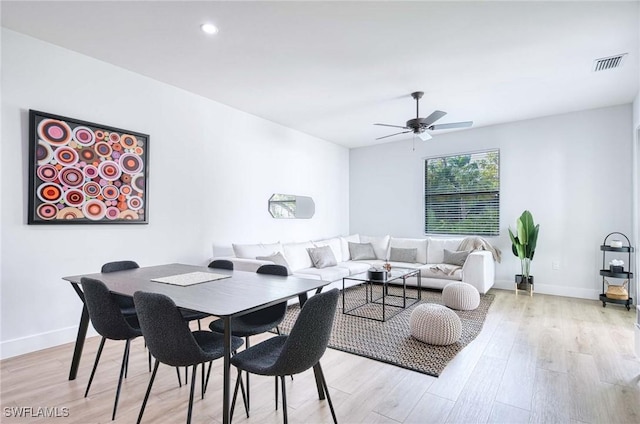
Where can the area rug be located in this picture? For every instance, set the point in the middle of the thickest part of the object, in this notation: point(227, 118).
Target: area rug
point(391, 341)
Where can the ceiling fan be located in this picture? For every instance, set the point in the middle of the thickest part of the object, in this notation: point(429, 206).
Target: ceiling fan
point(420, 126)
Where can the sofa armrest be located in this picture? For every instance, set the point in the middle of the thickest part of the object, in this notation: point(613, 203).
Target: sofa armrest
point(479, 270)
point(241, 264)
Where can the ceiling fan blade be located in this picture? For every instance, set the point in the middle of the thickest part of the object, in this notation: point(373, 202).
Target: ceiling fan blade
point(392, 126)
point(437, 114)
point(391, 135)
point(425, 136)
point(465, 124)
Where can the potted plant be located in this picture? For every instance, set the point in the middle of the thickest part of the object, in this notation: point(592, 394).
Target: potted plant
point(523, 245)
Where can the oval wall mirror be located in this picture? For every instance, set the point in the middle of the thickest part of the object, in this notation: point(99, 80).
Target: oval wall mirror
point(290, 206)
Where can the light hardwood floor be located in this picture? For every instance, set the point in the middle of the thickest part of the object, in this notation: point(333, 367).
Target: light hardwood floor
point(544, 359)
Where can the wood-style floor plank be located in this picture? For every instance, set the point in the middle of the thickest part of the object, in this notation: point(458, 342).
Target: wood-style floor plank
point(540, 359)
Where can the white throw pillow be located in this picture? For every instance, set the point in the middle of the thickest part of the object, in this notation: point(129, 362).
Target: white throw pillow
point(380, 245)
point(276, 258)
point(408, 243)
point(297, 255)
point(344, 244)
point(251, 251)
point(334, 244)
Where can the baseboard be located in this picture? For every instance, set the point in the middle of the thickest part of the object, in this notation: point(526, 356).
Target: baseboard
point(35, 342)
point(580, 293)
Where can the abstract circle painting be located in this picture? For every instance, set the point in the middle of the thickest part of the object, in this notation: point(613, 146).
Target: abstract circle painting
point(86, 173)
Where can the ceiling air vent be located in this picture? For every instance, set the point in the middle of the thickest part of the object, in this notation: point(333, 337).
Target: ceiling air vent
point(608, 62)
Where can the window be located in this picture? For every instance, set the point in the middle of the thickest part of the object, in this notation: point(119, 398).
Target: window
point(462, 194)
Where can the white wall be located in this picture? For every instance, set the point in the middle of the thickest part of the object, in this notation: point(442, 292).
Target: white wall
point(571, 171)
point(212, 170)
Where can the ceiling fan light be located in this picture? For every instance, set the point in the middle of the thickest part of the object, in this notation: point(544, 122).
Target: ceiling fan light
point(424, 136)
point(209, 28)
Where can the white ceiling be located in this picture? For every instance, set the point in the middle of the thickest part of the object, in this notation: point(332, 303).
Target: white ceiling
point(331, 69)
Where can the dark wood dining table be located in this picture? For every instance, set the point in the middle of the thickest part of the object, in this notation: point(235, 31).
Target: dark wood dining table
point(240, 293)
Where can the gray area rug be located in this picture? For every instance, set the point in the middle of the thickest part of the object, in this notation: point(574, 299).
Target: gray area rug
point(391, 341)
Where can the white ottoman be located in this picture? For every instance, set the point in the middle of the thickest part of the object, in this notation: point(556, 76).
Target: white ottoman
point(461, 296)
point(435, 324)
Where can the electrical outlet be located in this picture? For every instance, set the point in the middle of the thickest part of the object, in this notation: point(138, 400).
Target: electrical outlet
point(555, 265)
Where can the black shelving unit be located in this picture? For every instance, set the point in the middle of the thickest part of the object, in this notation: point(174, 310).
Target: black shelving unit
point(625, 274)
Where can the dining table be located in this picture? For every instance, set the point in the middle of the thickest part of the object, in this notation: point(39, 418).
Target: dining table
point(232, 294)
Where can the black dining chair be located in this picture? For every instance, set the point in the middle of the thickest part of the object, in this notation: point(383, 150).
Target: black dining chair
point(109, 321)
point(128, 309)
point(221, 264)
point(257, 322)
point(172, 342)
point(300, 350)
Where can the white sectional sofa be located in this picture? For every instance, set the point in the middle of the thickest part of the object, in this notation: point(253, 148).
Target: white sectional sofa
point(429, 253)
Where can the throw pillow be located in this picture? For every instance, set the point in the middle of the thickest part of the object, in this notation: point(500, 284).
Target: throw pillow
point(322, 257)
point(398, 254)
point(278, 259)
point(361, 251)
point(455, 258)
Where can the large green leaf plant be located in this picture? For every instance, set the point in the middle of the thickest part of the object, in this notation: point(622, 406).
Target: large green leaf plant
point(523, 243)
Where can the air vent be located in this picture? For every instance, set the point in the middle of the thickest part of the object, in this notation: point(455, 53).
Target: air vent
point(608, 62)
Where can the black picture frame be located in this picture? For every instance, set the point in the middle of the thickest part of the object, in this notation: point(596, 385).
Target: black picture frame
point(86, 173)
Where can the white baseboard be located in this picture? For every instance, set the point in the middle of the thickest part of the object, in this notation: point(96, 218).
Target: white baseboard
point(35, 342)
point(581, 293)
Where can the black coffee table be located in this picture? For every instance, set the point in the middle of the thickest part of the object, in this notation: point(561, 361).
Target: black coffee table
point(378, 296)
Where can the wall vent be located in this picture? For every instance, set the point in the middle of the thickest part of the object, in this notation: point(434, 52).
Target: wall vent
point(608, 62)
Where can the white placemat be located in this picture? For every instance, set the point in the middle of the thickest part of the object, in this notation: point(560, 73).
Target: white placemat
point(190, 278)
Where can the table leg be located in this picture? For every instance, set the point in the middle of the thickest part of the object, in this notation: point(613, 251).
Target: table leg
point(226, 384)
point(77, 351)
point(81, 336)
point(302, 298)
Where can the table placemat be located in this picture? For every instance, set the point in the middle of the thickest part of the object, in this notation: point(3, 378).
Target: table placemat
point(190, 278)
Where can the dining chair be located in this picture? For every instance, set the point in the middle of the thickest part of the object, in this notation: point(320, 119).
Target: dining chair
point(109, 321)
point(128, 308)
point(257, 322)
point(300, 350)
point(172, 343)
point(221, 264)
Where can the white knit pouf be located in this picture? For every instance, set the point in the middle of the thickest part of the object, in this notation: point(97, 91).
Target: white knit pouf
point(461, 296)
point(435, 324)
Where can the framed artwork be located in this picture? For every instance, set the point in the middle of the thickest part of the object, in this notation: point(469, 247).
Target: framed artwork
point(86, 173)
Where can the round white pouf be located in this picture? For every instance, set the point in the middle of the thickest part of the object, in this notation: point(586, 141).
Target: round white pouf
point(461, 296)
point(435, 324)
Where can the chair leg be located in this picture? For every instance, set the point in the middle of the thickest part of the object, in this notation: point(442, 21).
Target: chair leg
point(248, 345)
point(126, 366)
point(179, 379)
point(244, 398)
point(149, 361)
point(235, 394)
point(284, 400)
point(122, 369)
point(206, 382)
point(95, 365)
point(326, 391)
point(199, 326)
point(202, 387)
point(193, 386)
point(276, 381)
point(146, 396)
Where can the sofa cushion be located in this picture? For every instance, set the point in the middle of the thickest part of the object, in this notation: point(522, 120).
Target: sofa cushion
point(276, 258)
point(431, 271)
point(251, 251)
point(331, 273)
point(334, 244)
point(436, 246)
point(407, 243)
point(406, 265)
point(297, 256)
point(455, 257)
point(355, 267)
point(399, 254)
point(322, 257)
point(344, 245)
point(380, 245)
point(360, 251)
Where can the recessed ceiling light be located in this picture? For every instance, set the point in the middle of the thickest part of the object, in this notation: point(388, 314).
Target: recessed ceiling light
point(209, 28)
